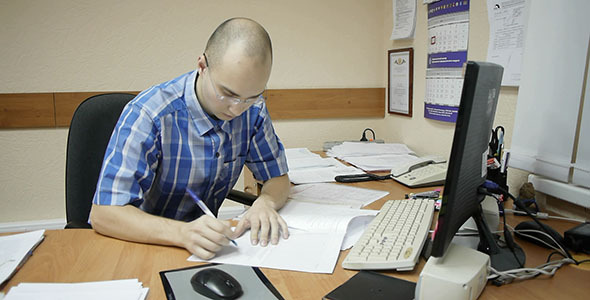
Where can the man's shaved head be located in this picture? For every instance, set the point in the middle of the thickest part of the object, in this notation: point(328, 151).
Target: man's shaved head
point(241, 33)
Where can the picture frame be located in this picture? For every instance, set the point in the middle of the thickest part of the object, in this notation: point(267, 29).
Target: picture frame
point(400, 75)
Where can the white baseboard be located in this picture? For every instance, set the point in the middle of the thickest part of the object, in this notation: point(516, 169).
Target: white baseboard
point(32, 225)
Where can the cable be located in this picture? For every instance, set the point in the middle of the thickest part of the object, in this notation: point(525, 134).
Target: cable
point(524, 232)
point(490, 186)
point(364, 137)
point(508, 240)
point(549, 269)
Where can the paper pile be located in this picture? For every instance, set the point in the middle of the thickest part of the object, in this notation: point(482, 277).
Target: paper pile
point(373, 156)
point(127, 289)
point(308, 167)
point(335, 194)
point(14, 251)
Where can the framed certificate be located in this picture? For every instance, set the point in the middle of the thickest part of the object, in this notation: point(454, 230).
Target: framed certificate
point(400, 76)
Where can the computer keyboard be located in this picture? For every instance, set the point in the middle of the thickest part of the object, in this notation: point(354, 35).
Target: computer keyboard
point(394, 239)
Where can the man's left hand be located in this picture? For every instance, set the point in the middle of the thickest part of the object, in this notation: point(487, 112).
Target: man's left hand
point(264, 223)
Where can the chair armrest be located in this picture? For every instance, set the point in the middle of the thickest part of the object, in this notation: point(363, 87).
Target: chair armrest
point(241, 197)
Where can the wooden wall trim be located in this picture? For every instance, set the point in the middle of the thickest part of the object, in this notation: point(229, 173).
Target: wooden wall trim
point(43, 110)
point(326, 103)
point(27, 110)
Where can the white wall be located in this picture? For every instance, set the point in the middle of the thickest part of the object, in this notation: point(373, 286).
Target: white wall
point(60, 45)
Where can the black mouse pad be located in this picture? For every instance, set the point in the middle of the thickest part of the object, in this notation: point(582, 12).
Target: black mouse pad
point(375, 286)
point(255, 285)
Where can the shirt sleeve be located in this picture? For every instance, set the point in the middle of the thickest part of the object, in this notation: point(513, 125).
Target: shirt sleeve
point(130, 161)
point(266, 158)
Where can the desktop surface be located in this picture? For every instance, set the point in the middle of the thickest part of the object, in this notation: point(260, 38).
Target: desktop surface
point(78, 255)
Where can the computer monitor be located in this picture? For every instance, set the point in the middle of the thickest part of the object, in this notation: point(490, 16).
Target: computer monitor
point(467, 168)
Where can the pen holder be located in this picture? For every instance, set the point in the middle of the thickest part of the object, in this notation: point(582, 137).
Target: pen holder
point(495, 175)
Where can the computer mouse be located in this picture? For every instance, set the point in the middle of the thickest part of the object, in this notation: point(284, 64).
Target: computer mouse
point(532, 225)
point(216, 284)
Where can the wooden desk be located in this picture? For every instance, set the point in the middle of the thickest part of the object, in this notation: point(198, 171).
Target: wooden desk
point(77, 255)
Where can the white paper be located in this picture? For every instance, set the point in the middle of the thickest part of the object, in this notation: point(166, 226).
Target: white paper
point(367, 149)
point(14, 249)
point(295, 153)
point(308, 167)
point(336, 194)
point(127, 289)
point(317, 175)
point(356, 228)
point(312, 162)
point(316, 234)
point(507, 33)
point(404, 19)
point(380, 162)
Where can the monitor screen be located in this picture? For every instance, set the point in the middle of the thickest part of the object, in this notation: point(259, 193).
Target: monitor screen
point(467, 167)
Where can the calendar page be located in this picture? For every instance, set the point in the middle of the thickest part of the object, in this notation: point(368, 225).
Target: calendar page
point(448, 29)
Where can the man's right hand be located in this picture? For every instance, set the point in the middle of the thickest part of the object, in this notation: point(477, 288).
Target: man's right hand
point(202, 237)
point(205, 236)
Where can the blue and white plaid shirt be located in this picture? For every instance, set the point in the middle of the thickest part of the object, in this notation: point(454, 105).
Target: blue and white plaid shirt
point(164, 143)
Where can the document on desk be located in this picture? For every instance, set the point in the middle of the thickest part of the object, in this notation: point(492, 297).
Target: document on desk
point(126, 289)
point(15, 249)
point(373, 156)
point(336, 194)
point(308, 167)
point(316, 235)
point(355, 149)
point(380, 162)
point(317, 175)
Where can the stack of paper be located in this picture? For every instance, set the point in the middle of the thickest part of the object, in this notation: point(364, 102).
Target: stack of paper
point(127, 289)
point(316, 236)
point(373, 156)
point(14, 251)
point(308, 167)
point(337, 194)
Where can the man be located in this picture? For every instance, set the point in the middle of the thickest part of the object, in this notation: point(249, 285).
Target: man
point(196, 132)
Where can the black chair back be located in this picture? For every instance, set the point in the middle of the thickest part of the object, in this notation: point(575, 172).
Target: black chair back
point(90, 131)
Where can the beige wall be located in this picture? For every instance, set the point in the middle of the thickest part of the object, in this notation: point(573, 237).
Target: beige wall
point(64, 45)
point(129, 45)
point(427, 136)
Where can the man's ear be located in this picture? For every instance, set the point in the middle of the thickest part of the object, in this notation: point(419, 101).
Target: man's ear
point(201, 63)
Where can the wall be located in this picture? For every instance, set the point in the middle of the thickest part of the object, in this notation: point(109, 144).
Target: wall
point(65, 45)
point(427, 136)
point(60, 45)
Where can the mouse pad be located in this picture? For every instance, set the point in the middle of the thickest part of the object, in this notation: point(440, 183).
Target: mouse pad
point(255, 285)
point(375, 286)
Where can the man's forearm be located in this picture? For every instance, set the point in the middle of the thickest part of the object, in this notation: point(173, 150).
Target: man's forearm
point(276, 191)
point(132, 224)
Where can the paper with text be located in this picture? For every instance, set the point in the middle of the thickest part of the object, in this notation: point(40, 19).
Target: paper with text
point(316, 235)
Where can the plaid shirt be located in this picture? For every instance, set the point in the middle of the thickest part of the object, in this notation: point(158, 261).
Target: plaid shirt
point(164, 143)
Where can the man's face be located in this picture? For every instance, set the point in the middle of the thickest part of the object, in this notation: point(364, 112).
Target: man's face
point(237, 78)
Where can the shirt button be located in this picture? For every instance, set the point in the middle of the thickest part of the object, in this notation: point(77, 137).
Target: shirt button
point(217, 154)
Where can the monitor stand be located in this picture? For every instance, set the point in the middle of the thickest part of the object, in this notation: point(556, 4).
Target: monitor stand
point(502, 258)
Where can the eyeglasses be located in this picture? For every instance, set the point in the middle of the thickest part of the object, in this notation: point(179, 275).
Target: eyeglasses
point(234, 100)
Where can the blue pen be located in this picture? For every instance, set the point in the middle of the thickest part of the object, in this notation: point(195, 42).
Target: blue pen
point(204, 207)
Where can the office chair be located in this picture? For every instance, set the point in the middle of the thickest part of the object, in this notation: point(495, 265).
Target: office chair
point(90, 130)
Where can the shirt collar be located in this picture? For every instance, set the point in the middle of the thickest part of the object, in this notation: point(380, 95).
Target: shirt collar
point(202, 120)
